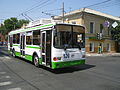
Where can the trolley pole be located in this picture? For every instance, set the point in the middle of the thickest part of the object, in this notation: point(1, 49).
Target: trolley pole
point(63, 12)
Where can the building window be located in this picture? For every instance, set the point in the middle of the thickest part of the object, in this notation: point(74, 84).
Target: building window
point(108, 47)
point(91, 47)
point(29, 38)
point(101, 28)
point(36, 37)
point(91, 27)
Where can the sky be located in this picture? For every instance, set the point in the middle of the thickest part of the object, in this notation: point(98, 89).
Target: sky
point(34, 8)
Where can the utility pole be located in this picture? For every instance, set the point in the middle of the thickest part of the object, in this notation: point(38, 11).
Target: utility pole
point(63, 12)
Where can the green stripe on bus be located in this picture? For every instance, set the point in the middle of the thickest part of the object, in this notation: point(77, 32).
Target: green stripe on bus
point(40, 60)
point(15, 45)
point(17, 54)
point(67, 63)
point(33, 47)
point(28, 57)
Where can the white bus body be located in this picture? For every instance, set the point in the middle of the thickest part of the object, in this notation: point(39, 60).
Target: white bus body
point(52, 45)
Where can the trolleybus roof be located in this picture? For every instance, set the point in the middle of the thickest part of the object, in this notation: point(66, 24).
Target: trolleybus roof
point(39, 27)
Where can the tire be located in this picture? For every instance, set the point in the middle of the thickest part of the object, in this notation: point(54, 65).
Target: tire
point(13, 53)
point(36, 60)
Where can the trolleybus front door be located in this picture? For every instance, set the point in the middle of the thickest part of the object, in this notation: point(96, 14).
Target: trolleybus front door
point(22, 45)
point(46, 47)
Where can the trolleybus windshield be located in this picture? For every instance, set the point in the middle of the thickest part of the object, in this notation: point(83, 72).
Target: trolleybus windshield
point(70, 36)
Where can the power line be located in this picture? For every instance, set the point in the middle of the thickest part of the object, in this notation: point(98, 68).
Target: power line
point(50, 14)
point(46, 13)
point(26, 16)
point(108, 5)
point(37, 6)
point(45, 3)
point(97, 4)
point(52, 10)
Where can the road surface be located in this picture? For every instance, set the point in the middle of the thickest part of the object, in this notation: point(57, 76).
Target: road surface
point(99, 73)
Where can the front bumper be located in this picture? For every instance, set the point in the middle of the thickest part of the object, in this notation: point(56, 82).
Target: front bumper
point(67, 63)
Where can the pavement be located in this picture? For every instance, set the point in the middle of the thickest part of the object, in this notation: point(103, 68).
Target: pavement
point(99, 73)
point(103, 54)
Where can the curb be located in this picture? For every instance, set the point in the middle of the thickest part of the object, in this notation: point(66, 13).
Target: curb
point(104, 54)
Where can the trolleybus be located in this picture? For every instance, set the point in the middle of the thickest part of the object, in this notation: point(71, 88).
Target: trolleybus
point(54, 45)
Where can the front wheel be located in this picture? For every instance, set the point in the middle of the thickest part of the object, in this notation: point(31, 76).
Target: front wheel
point(36, 60)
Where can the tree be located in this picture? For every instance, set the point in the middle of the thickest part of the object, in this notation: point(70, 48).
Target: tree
point(116, 36)
point(3, 29)
point(12, 24)
point(22, 22)
point(116, 32)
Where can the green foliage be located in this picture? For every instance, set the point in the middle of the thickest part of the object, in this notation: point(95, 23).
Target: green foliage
point(12, 24)
point(3, 29)
point(116, 32)
point(22, 21)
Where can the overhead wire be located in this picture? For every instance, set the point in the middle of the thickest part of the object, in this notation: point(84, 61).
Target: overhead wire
point(40, 5)
point(106, 5)
point(37, 6)
point(97, 4)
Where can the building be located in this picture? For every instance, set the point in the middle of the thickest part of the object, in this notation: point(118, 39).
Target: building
point(2, 39)
point(98, 26)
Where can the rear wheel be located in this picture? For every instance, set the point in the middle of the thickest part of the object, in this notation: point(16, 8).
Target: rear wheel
point(36, 60)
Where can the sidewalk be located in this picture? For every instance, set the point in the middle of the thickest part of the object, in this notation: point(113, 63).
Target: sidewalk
point(103, 54)
point(3, 46)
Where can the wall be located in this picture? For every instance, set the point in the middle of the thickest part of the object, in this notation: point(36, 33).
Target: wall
point(85, 19)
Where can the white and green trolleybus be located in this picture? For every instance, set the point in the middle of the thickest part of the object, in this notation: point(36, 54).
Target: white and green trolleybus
point(54, 45)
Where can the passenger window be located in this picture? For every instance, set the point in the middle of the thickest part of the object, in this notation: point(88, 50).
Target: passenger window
point(29, 38)
point(16, 38)
point(36, 37)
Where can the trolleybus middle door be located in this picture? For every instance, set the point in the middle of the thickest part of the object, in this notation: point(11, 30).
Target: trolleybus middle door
point(43, 44)
point(22, 45)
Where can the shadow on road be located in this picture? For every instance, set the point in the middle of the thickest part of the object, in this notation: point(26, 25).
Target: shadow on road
point(63, 70)
point(68, 69)
point(55, 71)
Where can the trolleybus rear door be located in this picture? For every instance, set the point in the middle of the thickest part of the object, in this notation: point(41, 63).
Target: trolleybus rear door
point(22, 44)
point(11, 42)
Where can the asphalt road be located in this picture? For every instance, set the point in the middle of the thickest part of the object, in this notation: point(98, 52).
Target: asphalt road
point(99, 73)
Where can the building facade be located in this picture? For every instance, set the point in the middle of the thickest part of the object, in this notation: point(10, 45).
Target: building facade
point(2, 39)
point(98, 26)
